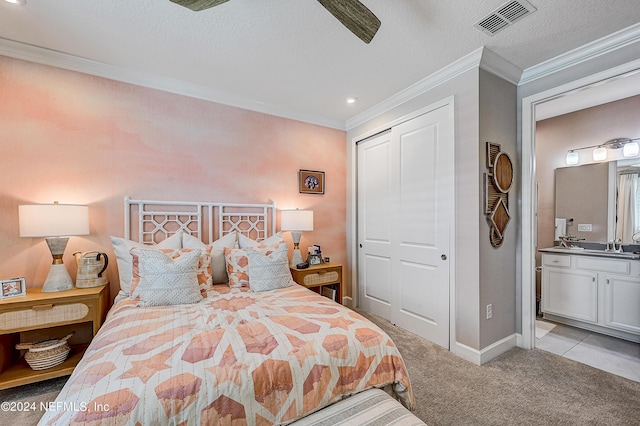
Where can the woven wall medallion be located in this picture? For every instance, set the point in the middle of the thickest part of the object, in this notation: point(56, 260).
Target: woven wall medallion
point(498, 182)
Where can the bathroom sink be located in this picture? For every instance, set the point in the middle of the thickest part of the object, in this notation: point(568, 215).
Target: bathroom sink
point(591, 252)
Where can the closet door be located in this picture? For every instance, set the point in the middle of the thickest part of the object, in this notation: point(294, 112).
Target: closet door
point(405, 193)
point(377, 172)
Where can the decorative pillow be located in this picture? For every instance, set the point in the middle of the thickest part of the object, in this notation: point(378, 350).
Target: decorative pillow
point(122, 247)
point(269, 272)
point(165, 281)
point(244, 242)
point(238, 263)
point(203, 272)
point(216, 248)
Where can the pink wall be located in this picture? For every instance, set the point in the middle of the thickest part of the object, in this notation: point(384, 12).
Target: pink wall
point(76, 138)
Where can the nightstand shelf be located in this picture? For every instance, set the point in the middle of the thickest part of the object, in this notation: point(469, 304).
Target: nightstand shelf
point(316, 277)
point(39, 316)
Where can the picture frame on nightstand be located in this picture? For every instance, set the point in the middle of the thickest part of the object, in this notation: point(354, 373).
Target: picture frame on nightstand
point(13, 287)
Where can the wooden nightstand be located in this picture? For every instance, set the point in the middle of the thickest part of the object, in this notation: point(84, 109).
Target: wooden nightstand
point(318, 276)
point(41, 316)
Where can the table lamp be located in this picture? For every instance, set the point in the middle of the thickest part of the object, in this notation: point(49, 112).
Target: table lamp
point(56, 223)
point(296, 221)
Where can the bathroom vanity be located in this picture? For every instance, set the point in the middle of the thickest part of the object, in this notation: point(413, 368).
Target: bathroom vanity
point(592, 289)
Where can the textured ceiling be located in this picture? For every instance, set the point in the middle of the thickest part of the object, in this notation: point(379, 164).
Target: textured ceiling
point(294, 58)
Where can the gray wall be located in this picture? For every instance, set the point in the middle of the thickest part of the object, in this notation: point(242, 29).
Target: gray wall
point(498, 124)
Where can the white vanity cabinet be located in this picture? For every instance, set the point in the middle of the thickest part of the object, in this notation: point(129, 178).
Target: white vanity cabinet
point(622, 303)
point(597, 293)
point(568, 291)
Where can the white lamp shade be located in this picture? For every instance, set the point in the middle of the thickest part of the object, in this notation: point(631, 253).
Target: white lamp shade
point(53, 220)
point(296, 220)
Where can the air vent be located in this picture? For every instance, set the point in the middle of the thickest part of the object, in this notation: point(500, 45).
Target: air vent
point(504, 16)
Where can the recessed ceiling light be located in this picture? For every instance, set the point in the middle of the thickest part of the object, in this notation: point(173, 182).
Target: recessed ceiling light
point(352, 100)
point(20, 2)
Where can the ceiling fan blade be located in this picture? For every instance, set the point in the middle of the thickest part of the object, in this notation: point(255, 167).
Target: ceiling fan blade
point(355, 16)
point(197, 5)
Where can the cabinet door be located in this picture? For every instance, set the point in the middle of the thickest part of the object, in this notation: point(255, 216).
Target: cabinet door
point(622, 303)
point(570, 293)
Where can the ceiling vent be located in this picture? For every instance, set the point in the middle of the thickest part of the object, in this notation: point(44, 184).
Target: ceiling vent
point(504, 16)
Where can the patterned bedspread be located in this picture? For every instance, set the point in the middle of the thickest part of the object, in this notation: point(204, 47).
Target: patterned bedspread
point(235, 358)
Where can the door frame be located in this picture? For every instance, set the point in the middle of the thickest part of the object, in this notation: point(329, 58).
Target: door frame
point(529, 207)
point(353, 250)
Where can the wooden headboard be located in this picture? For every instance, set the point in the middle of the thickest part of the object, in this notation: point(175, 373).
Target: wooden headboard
point(153, 221)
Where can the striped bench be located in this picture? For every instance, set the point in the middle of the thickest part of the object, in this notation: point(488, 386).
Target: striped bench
point(373, 407)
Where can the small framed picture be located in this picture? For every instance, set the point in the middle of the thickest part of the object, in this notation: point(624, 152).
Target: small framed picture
point(311, 182)
point(13, 287)
point(315, 259)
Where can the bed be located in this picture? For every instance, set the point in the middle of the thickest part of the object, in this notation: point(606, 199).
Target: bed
point(236, 356)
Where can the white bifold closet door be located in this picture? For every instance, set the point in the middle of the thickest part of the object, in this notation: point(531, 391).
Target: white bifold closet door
point(405, 209)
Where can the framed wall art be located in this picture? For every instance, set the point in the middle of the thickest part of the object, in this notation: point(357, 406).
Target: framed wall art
point(311, 182)
point(12, 287)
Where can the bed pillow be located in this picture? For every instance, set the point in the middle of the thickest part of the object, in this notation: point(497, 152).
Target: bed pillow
point(122, 249)
point(244, 242)
point(238, 263)
point(165, 281)
point(203, 273)
point(218, 265)
point(269, 272)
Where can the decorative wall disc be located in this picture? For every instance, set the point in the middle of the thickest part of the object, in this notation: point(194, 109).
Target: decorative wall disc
point(503, 172)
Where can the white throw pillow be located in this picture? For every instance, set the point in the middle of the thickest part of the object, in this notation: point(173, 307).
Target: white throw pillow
point(122, 249)
point(269, 272)
point(245, 242)
point(165, 281)
point(218, 267)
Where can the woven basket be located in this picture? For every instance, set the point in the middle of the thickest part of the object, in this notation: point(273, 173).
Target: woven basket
point(46, 354)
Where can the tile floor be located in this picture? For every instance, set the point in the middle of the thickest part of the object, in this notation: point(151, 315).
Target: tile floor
point(607, 353)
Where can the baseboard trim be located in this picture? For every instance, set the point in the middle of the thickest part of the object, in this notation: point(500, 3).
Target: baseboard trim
point(480, 357)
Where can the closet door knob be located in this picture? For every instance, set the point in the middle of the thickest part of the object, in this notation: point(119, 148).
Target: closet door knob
point(443, 257)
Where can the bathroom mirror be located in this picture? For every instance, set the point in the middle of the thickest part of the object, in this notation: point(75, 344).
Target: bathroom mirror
point(585, 201)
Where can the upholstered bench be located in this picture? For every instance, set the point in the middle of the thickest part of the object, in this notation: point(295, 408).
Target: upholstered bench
point(372, 407)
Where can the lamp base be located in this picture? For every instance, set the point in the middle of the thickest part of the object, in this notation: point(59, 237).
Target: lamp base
point(296, 258)
point(58, 279)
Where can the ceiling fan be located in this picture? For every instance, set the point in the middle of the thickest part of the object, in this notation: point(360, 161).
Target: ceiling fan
point(351, 13)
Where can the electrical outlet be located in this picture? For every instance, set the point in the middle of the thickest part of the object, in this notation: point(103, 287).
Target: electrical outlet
point(489, 311)
point(584, 227)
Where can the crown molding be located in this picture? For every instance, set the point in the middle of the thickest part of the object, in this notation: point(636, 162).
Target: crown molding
point(602, 46)
point(462, 65)
point(59, 59)
point(482, 57)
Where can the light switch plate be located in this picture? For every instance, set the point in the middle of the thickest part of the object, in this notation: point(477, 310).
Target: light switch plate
point(584, 227)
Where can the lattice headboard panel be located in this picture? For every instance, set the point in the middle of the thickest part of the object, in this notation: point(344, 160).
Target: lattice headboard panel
point(154, 221)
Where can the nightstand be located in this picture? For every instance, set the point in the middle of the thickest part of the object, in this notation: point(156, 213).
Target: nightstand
point(317, 277)
point(40, 316)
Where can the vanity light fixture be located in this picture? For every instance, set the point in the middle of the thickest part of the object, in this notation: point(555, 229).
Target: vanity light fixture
point(20, 2)
point(572, 158)
point(630, 148)
point(600, 153)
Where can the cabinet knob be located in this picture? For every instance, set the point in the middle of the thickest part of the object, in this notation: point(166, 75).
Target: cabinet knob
point(443, 257)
